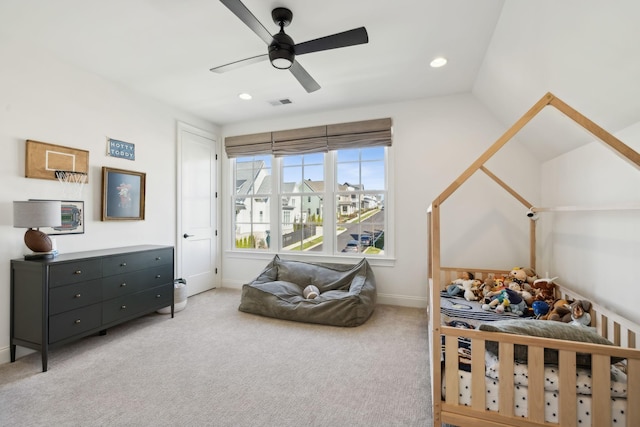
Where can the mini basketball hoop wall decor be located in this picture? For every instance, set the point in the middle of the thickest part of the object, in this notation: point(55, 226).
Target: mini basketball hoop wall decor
point(72, 183)
point(42, 160)
point(122, 194)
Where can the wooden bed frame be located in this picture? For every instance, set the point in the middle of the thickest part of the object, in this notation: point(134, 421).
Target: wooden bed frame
point(618, 330)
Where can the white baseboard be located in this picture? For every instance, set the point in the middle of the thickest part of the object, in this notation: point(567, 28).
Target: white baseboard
point(388, 299)
point(5, 353)
point(232, 284)
point(402, 300)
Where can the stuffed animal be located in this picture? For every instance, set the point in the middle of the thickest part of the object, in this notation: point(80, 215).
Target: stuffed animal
point(543, 290)
point(500, 301)
point(505, 299)
point(580, 313)
point(559, 312)
point(465, 285)
point(525, 295)
point(519, 281)
point(531, 275)
point(517, 274)
point(478, 289)
point(470, 288)
point(490, 287)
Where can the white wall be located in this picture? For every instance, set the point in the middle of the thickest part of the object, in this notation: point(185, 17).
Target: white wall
point(45, 100)
point(595, 252)
point(434, 141)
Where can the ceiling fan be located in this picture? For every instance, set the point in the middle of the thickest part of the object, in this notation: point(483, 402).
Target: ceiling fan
point(282, 50)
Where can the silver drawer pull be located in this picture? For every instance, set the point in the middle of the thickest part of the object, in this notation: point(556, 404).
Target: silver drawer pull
point(158, 258)
point(77, 321)
point(124, 307)
point(157, 276)
point(77, 272)
point(124, 264)
point(77, 295)
point(158, 296)
point(123, 284)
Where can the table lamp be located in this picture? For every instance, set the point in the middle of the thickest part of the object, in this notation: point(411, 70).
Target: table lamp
point(33, 214)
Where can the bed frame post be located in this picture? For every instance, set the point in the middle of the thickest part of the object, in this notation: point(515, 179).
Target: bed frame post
point(434, 313)
point(532, 244)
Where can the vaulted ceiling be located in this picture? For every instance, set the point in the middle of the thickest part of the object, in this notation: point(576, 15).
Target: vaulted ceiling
point(508, 53)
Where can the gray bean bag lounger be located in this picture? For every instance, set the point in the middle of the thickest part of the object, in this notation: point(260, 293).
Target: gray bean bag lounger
point(347, 292)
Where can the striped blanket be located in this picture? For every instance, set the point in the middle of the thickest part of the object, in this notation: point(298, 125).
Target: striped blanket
point(456, 308)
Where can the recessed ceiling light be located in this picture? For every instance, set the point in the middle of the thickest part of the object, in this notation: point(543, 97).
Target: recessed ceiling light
point(244, 96)
point(438, 62)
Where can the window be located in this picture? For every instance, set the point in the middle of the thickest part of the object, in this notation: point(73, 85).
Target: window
point(360, 195)
point(329, 184)
point(351, 183)
point(251, 202)
point(302, 194)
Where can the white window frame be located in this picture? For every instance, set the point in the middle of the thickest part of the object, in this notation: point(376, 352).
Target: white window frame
point(330, 252)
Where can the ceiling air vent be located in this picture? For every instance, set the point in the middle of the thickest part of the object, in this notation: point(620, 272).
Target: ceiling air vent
point(280, 102)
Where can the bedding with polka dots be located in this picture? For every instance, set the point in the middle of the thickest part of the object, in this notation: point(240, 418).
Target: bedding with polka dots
point(551, 380)
point(551, 398)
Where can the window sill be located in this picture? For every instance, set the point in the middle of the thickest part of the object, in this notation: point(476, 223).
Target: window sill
point(341, 259)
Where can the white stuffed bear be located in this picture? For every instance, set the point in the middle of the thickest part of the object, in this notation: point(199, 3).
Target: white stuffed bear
point(468, 285)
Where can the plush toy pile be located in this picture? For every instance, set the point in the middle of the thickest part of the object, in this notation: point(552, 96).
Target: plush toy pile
point(522, 292)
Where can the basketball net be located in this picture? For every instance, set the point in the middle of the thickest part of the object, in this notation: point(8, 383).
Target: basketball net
point(72, 183)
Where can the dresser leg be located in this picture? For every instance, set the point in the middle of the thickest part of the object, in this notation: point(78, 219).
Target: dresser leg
point(102, 332)
point(45, 361)
point(13, 353)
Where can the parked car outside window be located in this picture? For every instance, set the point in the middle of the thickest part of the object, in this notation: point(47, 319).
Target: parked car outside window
point(352, 246)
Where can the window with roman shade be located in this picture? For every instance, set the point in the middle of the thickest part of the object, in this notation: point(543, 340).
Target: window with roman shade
point(328, 185)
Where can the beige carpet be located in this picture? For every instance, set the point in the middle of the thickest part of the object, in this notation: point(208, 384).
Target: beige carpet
point(215, 366)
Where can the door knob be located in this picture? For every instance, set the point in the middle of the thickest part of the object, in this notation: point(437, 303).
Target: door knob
point(185, 235)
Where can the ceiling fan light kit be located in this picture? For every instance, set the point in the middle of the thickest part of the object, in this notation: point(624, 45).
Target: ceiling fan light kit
point(282, 50)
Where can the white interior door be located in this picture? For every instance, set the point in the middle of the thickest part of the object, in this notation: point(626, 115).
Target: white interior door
point(197, 256)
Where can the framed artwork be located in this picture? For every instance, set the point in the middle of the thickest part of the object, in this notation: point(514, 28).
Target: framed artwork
point(122, 194)
point(72, 215)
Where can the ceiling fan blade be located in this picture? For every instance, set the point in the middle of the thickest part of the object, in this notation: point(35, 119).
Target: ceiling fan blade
point(344, 39)
point(241, 11)
point(305, 79)
point(239, 64)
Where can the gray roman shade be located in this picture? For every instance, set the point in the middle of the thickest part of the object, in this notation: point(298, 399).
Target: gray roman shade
point(300, 141)
point(248, 145)
point(370, 133)
point(316, 139)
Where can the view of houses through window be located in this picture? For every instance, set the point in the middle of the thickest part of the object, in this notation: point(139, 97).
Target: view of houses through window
point(306, 189)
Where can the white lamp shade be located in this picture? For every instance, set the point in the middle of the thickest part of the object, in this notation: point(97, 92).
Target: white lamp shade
point(37, 213)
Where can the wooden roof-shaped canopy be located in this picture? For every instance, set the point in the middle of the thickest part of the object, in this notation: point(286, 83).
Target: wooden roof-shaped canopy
point(548, 99)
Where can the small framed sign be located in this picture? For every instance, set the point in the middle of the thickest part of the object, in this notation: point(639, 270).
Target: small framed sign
point(121, 149)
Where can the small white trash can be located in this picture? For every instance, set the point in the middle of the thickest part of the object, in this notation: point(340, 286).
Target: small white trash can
point(179, 297)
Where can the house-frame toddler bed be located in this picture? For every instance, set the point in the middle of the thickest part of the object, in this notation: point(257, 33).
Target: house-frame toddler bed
point(488, 393)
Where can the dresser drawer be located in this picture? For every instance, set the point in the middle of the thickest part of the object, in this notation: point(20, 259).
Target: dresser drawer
point(127, 283)
point(139, 302)
point(74, 322)
point(133, 261)
point(74, 272)
point(70, 297)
